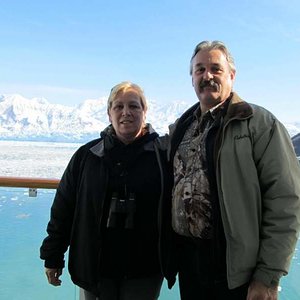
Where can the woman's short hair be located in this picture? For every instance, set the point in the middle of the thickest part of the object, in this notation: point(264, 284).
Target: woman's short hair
point(123, 87)
point(208, 45)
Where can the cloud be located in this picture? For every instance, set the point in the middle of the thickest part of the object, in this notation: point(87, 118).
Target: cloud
point(275, 19)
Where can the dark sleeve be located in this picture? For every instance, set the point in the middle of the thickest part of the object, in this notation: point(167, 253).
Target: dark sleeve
point(59, 227)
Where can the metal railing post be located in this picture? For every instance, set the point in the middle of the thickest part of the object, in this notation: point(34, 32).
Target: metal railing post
point(81, 294)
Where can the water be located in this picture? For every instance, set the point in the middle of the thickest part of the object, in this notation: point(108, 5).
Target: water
point(22, 228)
point(23, 222)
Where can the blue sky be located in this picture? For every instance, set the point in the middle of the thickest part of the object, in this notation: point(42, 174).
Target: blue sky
point(69, 51)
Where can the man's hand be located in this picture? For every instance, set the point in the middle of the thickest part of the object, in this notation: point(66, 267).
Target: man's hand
point(53, 276)
point(258, 291)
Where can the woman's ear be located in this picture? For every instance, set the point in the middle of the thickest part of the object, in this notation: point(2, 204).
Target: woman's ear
point(109, 117)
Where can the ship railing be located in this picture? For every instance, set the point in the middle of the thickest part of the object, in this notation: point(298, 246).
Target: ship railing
point(33, 184)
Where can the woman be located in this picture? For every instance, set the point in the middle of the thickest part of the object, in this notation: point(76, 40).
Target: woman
point(105, 209)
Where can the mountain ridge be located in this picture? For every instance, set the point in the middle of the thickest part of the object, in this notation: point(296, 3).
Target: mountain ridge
point(37, 119)
point(296, 144)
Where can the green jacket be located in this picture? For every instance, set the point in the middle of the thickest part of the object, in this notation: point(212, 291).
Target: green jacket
point(258, 182)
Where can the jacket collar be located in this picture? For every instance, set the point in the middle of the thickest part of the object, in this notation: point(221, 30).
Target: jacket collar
point(106, 142)
point(238, 108)
point(98, 149)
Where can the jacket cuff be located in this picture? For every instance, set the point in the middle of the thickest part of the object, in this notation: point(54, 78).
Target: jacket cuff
point(268, 279)
point(54, 264)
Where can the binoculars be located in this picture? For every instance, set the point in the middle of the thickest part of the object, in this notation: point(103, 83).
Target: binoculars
point(121, 212)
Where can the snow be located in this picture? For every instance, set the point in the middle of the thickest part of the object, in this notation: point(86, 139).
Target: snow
point(37, 119)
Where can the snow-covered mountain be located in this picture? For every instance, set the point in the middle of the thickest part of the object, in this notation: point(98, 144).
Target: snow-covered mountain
point(296, 143)
point(293, 128)
point(37, 119)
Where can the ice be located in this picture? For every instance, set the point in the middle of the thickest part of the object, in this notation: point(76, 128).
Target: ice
point(35, 159)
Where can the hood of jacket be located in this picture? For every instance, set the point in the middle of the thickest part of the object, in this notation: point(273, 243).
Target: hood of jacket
point(109, 139)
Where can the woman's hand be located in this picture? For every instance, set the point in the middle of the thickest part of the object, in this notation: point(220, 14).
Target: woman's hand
point(53, 276)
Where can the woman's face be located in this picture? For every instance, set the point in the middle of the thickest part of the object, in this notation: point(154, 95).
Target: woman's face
point(127, 115)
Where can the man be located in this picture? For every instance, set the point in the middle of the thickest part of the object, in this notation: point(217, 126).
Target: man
point(235, 210)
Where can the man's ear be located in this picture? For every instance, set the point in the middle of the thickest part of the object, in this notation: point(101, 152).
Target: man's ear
point(232, 74)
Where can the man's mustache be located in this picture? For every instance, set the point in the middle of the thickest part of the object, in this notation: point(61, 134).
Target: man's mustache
point(208, 83)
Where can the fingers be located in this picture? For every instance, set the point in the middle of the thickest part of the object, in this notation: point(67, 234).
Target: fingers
point(258, 291)
point(53, 276)
point(273, 293)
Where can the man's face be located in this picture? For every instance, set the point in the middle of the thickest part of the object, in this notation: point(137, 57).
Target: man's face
point(212, 78)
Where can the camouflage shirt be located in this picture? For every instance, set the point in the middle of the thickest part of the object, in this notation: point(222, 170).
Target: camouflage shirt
point(191, 207)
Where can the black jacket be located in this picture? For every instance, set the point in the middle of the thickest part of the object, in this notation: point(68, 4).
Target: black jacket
point(80, 209)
